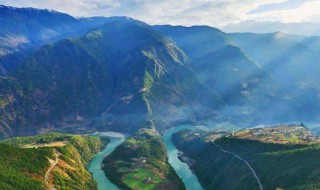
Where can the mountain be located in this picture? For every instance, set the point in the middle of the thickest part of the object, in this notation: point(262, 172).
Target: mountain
point(93, 75)
point(313, 43)
point(24, 30)
point(299, 28)
point(272, 45)
point(292, 61)
point(195, 41)
point(285, 56)
point(213, 58)
point(25, 161)
point(125, 76)
point(222, 162)
point(28, 27)
point(225, 66)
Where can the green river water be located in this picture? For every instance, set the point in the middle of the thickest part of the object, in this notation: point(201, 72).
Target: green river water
point(95, 166)
point(189, 179)
point(182, 169)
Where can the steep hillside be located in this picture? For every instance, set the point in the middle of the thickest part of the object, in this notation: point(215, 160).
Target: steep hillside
point(284, 56)
point(266, 48)
point(230, 163)
point(23, 27)
point(252, 71)
point(22, 168)
point(292, 61)
point(246, 87)
point(141, 163)
point(230, 72)
point(313, 43)
point(24, 30)
point(25, 162)
point(125, 75)
point(196, 41)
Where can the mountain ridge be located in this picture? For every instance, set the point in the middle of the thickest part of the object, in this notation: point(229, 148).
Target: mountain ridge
point(298, 28)
point(105, 74)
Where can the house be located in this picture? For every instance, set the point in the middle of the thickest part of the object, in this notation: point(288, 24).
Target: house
point(147, 180)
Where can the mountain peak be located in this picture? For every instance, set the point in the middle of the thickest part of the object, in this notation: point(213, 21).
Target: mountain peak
point(28, 9)
point(279, 35)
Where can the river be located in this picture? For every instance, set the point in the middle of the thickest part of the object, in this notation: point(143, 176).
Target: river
point(189, 179)
point(95, 165)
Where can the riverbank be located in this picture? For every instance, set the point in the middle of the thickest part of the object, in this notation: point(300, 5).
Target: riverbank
point(140, 175)
point(95, 165)
point(234, 163)
point(141, 163)
point(182, 169)
point(185, 159)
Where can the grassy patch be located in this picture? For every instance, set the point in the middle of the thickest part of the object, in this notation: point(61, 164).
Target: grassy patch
point(141, 156)
point(136, 179)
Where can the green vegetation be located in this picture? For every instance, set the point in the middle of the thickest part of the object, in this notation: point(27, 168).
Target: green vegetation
point(87, 146)
point(22, 167)
point(126, 76)
point(277, 165)
point(148, 82)
point(141, 156)
point(133, 180)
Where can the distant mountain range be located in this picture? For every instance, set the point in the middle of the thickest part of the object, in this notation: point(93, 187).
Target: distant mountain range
point(23, 28)
point(122, 74)
point(244, 69)
point(302, 28)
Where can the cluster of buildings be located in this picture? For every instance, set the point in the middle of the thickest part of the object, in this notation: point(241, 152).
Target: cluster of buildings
point(279, 134)
point(139, 161)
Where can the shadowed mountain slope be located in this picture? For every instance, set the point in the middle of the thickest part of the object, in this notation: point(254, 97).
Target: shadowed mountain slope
point(125, 75)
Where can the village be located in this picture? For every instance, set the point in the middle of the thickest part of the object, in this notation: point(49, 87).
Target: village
point(142, 163)
point(282, 134)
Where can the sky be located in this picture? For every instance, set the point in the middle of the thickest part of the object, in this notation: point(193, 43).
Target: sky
point(185, 12)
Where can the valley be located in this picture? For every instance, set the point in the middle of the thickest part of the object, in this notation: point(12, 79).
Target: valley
point(115, 103)
point(151, 77)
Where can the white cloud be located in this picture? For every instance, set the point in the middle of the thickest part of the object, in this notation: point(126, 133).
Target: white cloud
point(180, 12)
point(309, 11)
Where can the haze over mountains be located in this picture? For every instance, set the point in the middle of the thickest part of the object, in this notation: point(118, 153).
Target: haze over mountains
point(299, 28)
point(122, 74)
